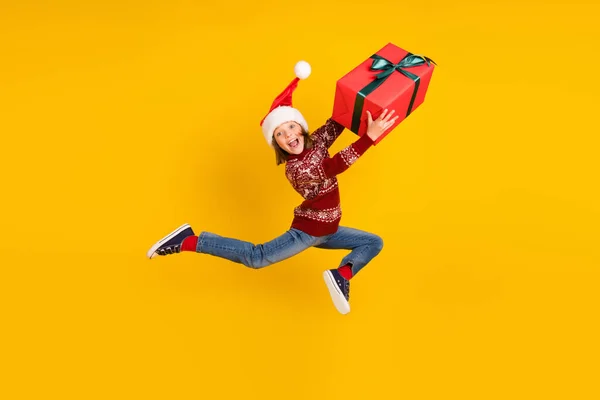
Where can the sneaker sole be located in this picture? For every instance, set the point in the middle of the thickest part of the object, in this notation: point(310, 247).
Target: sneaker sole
point(336, 294)
point(152, 252)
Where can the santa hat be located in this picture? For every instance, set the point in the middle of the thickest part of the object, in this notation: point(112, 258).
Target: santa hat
point(281, 110)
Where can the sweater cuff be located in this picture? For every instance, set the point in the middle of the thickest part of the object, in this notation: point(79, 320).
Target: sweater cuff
point(362, 144)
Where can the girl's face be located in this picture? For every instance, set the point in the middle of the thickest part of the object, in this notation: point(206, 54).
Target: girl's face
point(289, 137)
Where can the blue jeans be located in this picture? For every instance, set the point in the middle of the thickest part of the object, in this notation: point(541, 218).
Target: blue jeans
point(364, 245)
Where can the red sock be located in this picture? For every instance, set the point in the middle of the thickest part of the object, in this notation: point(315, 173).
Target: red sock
point(189, 243)
point(346, 271)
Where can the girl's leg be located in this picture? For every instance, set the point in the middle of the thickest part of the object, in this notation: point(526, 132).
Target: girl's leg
point(256, 256)
point(364, 245)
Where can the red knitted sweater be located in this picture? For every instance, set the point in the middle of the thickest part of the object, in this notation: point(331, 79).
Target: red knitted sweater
point(313, 172)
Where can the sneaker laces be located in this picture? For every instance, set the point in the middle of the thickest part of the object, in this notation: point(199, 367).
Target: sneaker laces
point(347, 288)
point(176, 248)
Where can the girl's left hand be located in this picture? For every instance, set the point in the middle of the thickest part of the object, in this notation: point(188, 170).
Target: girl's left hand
point(380, 125)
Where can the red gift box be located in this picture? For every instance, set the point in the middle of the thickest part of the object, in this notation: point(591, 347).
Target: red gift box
point(391, 78)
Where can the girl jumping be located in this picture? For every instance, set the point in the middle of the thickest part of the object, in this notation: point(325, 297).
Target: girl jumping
point(312, 173)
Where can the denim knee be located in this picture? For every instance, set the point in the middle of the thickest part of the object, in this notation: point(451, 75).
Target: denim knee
point(257, 260)
point(257, 263)
point(377, 243)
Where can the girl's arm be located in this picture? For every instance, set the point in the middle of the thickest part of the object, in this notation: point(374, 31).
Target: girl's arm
point(328, 133)
point(346, 157)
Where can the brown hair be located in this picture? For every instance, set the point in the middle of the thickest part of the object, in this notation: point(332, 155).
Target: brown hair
point(281, 156)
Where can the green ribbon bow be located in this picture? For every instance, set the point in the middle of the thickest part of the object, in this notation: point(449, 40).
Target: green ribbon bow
point(387, 67)
point(410, 60)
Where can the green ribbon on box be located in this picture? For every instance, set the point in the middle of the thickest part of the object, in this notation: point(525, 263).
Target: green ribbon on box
point(388, 68)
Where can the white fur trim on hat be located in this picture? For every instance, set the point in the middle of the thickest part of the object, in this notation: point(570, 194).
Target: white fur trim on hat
point(277, 117)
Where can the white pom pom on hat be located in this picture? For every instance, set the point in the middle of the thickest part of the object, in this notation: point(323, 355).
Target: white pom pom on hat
point(302, 69)
point(282, 110)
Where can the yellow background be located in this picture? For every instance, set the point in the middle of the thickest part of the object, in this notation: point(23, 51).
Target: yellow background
point(121, 120)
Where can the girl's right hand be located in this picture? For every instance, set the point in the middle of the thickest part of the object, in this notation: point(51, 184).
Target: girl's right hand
point(380, 125)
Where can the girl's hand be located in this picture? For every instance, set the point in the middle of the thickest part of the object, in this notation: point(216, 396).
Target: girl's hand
point(380, 125)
